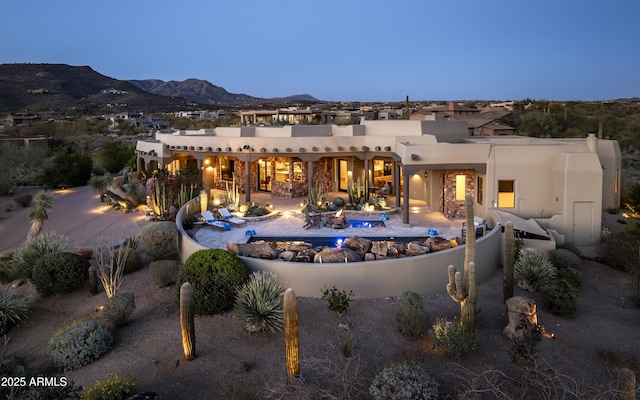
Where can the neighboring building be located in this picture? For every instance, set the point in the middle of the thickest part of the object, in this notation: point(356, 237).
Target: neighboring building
point(31, 141)
point(563, 183)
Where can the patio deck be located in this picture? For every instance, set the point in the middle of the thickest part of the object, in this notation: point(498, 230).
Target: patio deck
point(290, 223)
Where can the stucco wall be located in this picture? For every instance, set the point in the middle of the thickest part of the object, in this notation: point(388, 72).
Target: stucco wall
point(426, 275)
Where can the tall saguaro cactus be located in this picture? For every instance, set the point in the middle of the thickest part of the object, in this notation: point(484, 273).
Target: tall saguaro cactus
point(292, 349)
point(508, 259)
point(462, 289)
point(187, 305)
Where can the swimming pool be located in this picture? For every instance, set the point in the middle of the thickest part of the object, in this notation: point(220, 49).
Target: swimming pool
point(333, 241)
point(358, 223)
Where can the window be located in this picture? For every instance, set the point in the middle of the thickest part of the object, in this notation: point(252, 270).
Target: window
point(506, 194)
point(283, 170)
point(226, 168)
point(460, 187)
point(480, 190)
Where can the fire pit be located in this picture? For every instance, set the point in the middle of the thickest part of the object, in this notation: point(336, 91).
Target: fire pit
point(337, 221)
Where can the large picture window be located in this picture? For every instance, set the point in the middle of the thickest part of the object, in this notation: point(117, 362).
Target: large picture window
point(460, 187)
point(506, 194)
point(283, 171)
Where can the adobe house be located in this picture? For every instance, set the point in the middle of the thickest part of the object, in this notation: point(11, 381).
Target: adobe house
point(563, 183)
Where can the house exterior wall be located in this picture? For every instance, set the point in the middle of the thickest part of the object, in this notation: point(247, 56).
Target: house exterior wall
point(547, 173)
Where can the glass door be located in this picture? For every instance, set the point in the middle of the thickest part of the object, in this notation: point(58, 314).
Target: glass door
point(264, 175)
point(343, 175)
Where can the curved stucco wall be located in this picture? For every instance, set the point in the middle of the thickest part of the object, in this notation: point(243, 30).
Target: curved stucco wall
point(426, 274)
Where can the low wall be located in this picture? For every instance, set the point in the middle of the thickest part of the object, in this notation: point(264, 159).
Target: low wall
point(426, 274)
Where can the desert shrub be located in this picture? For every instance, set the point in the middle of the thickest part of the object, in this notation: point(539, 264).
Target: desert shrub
point(533, 269)
point(14, 309)
point(131, 242)
point(24, 258)
point(260, 301)
point(60, 273)
point(560, 298)
point(620, 251)
point(118, 308)
point(214, 275)
point(410, 317)
point(522, 352)
point(131, 258)
point(572, 248)
point(403, 382)
point(23, 200)
point(6, 266)
point(78, 344)
point(160, 239)
point(112, 387)
point(564, 258)
point(338, 300)
point(164, 272)
point(456, 340)
point(70, 391)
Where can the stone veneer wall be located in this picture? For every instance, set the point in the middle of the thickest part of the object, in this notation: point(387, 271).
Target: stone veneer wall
point(323, 173)
point(455, 208)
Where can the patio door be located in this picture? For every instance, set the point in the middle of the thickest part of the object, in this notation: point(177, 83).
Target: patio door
point(264, 175)
point(343, 175)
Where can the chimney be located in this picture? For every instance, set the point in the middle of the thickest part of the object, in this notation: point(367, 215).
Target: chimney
point(592, 143)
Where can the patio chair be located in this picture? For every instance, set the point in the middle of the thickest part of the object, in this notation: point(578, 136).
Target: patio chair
point(312, 218)
point(385, 190)
point(209, 219)
point(224, 213)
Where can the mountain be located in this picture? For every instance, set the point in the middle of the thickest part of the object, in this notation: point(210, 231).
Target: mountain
point(204, 92)
point(68, 89)
point(62, 88)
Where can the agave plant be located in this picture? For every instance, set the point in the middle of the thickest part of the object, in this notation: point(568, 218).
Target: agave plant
point(533, 270)
point(13, 310)
point(23, 259)
point(260, 300)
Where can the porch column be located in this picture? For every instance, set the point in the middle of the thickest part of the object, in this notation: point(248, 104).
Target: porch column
point(367, 175)
point(405, 199)
point(199, 161)
point(395, 184)
point(247, 190)
point(309, 176)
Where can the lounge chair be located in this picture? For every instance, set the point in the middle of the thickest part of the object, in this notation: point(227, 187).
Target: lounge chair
point(312, 218)
point(224, 213)
point(210, 220)
point(385, 190)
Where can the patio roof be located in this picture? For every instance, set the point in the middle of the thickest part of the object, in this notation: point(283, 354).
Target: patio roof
point(520, 224)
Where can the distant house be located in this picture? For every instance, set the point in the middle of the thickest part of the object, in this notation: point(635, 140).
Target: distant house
point(434, 161)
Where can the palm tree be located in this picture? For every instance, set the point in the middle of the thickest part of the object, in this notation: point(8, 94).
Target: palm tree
point(100, 183)
point(42, 204)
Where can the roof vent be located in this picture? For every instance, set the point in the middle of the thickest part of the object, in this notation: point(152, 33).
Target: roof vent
point(415, 157)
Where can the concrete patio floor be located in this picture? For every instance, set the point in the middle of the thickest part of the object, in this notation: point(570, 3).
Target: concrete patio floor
point(290, 224)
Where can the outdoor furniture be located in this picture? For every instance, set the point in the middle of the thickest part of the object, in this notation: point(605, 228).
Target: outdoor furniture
point(312, 218)
point(480, 225)
point(224, 213)
point(385, 190)
point(210, 220)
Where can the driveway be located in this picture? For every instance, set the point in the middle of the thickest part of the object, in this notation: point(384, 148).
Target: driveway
point(77, 214)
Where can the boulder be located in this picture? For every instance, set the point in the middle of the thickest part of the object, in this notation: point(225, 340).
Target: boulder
point(307, 255)
point(523, 320)
point(287, 255)
point(380, 248)
point(358, 244)
point(254, 250)
point(414, 252)
point(417, 246)
point(369, 257)
point(437, 243)
point(335, 255)
point(297, 246)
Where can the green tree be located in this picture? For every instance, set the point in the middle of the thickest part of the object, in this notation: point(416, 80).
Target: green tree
point(114, 155)
point(19, 165)
point(68, 169)
point(42, 205)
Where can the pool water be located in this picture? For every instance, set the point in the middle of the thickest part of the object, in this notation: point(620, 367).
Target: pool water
point(354, 223)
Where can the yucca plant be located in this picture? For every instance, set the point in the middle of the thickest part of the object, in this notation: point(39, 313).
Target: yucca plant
point(23, 259)
point(533, 270)
point(260, 302)
point(13, 310)
point(42, 205)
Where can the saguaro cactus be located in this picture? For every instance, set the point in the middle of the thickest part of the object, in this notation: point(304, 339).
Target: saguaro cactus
point(187, 304)
point(292, 349)
point(463, 288)
point(508, 259)
point(93, 280)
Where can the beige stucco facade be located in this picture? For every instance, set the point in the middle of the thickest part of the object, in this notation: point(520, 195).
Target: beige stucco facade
point(563, 183)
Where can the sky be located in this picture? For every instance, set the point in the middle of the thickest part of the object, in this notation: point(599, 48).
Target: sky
point(344, 50)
